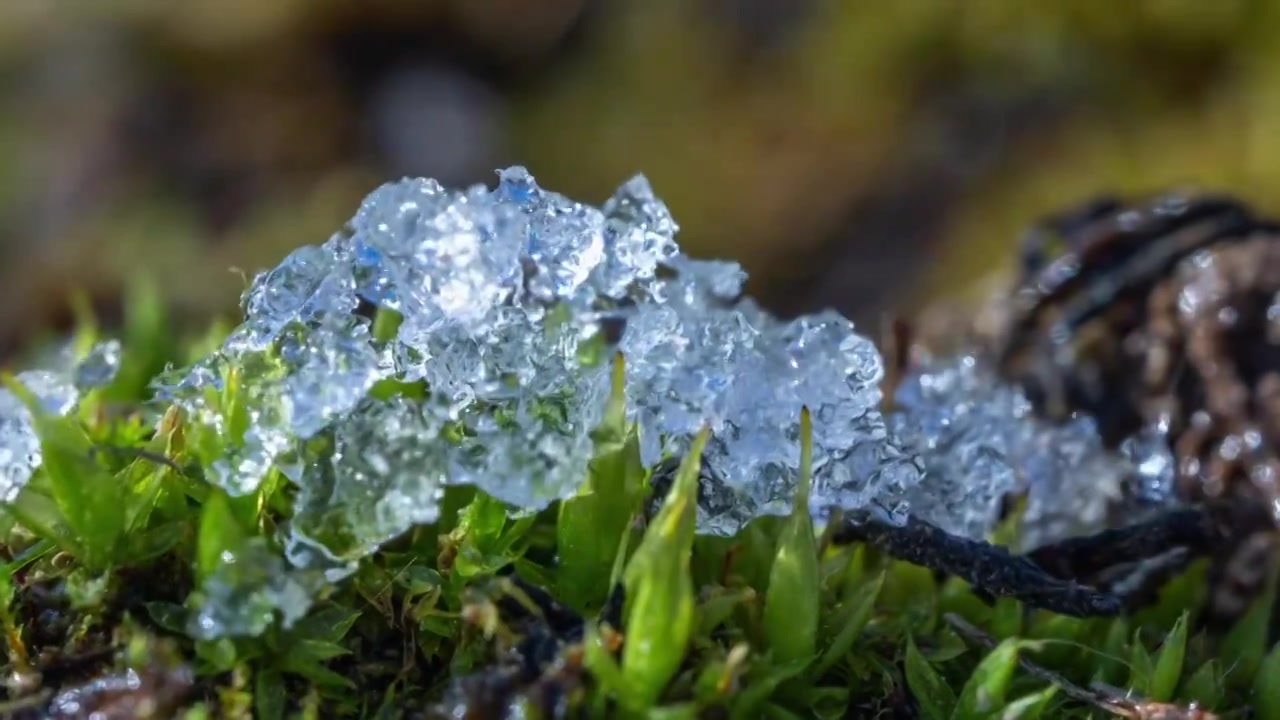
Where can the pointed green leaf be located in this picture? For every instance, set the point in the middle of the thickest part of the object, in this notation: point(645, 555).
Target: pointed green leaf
point(592, 523)
point(1141, 666)
point(984, 693)
point(170, 616)
point(153, 542)
point(1205, 687)
point(1168, 666)
point(219, 532)
point(1029, 707)
point(1185, 590)
point(235, 409)
point(86, 494)
point(751, 699)
point(330, 624)
point(39, 514)
point(716, 609)
point(144, 482)
point(852, 618)
point(217, 656)
point(314, 671)
point(931, 691)
point(1007, 617)
point(660, 606)
point(318, 650)
point(1111, 666)
point(1266, 687)
point(604, 669)
point(483, 521)
point(1246, 644)
point(6, 593)
point(946, 646)
point(386, 324)
point(791, 602)
point(913, 590)
point(269, 695)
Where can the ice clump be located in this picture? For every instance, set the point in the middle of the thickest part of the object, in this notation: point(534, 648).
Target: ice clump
point(246, 591)
point(509, 302)
point(386, 472)
point(58, 390)
point(980, 440)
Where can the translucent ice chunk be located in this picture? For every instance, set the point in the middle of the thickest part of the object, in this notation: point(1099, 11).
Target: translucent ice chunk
point(246, 592)
point(295, 380)
point(385, 473)
point(980, 440)
point(968, 430)
point(698, 357)
point(1148, 452)
point(55, 391)
point(509, 300)
point(58, 389)
point(311, 285)
point(19, 446)
point(639, 236)
point(99, 366)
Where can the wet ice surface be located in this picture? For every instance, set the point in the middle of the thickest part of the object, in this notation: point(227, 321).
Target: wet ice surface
point(386, 472)
point(248, 591)
point(58, 388)
point(980, 440)
point(510, 301)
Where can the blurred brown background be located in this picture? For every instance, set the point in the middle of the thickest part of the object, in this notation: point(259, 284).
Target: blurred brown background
point(864, 155)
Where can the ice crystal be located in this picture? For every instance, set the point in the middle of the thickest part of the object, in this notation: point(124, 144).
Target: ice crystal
point(386, 472)
point(1154, 466)
point(58, 389)
point(980, 440)
point(99, 366)
point(19, 446)
point(248, 590)
point(509, 301)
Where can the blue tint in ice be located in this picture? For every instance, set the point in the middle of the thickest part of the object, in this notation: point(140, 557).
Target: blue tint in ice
point(58, 388)
point(502, 294)
point(979, 441)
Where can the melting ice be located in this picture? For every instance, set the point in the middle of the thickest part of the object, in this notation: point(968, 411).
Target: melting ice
point(509, 302)
point(58, 389)
point(980, 441)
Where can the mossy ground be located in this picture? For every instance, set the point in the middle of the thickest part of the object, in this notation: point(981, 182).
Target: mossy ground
point(104, 550)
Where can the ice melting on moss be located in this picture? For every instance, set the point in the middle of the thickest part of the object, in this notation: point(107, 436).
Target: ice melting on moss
point(386, 472)
point(507, 304)
point(509, 301)
point(248, 590)
point(59, 389)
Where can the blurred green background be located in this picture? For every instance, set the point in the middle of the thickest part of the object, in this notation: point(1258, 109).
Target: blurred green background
point(862, 155)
